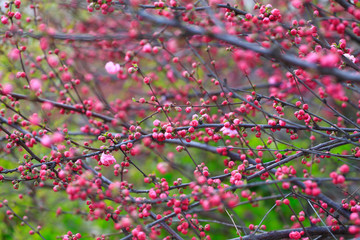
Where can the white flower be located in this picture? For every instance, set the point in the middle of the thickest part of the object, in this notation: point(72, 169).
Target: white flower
point(350, 57)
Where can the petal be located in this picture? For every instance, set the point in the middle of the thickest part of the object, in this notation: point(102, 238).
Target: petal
point(109, 67)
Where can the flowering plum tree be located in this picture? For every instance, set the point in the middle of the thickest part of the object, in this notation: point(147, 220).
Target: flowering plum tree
point(179, 119)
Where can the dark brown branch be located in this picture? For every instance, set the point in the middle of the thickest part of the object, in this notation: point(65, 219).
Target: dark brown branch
point(235, 41)
point(284, 234)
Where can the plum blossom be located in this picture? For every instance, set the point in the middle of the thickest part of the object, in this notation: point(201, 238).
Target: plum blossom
point(53, 61)
point(350, 57)
point(107, 159)
point(14, 54)
point(228, 131)
point(35, 119)
point(57, 137)
point(162, 167)
point(112, 68)
point(35, 84)
point(47, 106)
point(46, 141)
point(7, 88)
point(44, 43)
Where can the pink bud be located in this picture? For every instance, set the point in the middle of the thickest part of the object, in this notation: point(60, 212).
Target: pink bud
point(344, 169)
point(4, 20)
point(44, 43)
point(17, 15)
point(147, 48)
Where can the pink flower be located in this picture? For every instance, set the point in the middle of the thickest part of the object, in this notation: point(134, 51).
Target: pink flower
point(107, 159)
point(329, 60)
point(162, 167)
point(57, 137)
point(112, 68)
point(7, 88)
point(35, 119)
point(295, 235)
point(14, 54)
point(53, 61)
point(4, 20)
point(35, 84)
point(46, 141)
point(147, 48)
point(66, 77)
point(17, 15)
point(47, 106)
point(156, 122)
point(228, 131)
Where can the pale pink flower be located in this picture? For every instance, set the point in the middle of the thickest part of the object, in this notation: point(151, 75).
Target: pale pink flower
point(46, 141)
point(312, 57)
point(329, 60)
point(53, 61)
point(107, 159)
point(35, 119)
point(35, 84)
point(162, 167)
point(7, 88)
point(14, 54)
point(228, 131)
point(156, 122)
point(47, 106)
point(147, 48)
point(112, 68)
point(57, 137)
